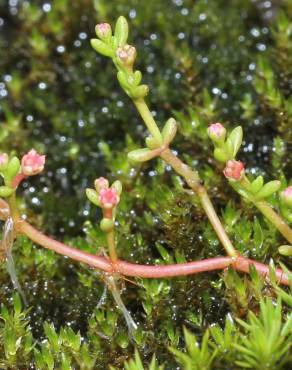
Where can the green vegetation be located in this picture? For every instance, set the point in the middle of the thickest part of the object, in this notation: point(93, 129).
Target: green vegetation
point(213, 63)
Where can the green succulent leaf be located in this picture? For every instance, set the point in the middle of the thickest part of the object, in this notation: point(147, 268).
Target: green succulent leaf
point(93, 196)
point(121, 31)
point(137, 77)
point(268, 189)
point(142, 155)
point(169, 130)
point(117, 185)
point(235, 138)
point(5, 191)
point(102, 48)
point(123, 80)
point(221, 155)
point(152, 142)
point(12, 169)
point(257, 184)
point(285, 250)
point(139, 92)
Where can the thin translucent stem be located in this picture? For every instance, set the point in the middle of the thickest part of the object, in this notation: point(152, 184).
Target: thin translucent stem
point(132, 326)
point(13, 275)
point(6, 249)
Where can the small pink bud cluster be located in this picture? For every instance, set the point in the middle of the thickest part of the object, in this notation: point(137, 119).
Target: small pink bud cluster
point(286, 196)
point(103, 31)
point(32, 163)
point(108, 197)
point(217, 132)
point(234, 170)
point(127, 54)
point(3, 160)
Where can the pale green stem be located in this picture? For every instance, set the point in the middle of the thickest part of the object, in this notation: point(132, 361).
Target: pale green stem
point(148, 118)
point(275, 219)
point(110, 236)
point(269, 213)
point(14, 212)
point(193, 180)
point(216, 223)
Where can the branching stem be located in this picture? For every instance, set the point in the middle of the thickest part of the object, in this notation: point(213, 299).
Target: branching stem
point(144, 271)
point(192, 178)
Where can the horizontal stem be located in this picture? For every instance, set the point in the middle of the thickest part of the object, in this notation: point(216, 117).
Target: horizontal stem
point(61, 248)
point(146, 271)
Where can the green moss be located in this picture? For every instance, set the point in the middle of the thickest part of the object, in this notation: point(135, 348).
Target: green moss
point(204, 62)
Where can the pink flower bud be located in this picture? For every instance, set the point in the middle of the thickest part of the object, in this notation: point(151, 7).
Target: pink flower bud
point(101, 183)
point(3, 160)
point(286, 196)
point(234, 170)
point(127, 54)
point(103, 31)
point(216, 132)
point(108, 198)
point(32, 163)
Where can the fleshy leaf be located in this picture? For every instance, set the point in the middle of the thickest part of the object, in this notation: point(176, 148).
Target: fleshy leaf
point(122, 77)
point(221, 155)
point(117, 185)
point(169, 130)
point(12, 168)
point(285, 250)
point(93, 196)
point(142, 155)
point(257, 184)
point(139, 92)
point(152, 142)
point(121, 31)
point(137, 77)
point(102, 48)
point(235, 138)
point(5, 191)
point(268, 189)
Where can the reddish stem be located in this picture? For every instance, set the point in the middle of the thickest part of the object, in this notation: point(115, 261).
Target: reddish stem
point(147, 271)
point(61, 248)
point(17, 180)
